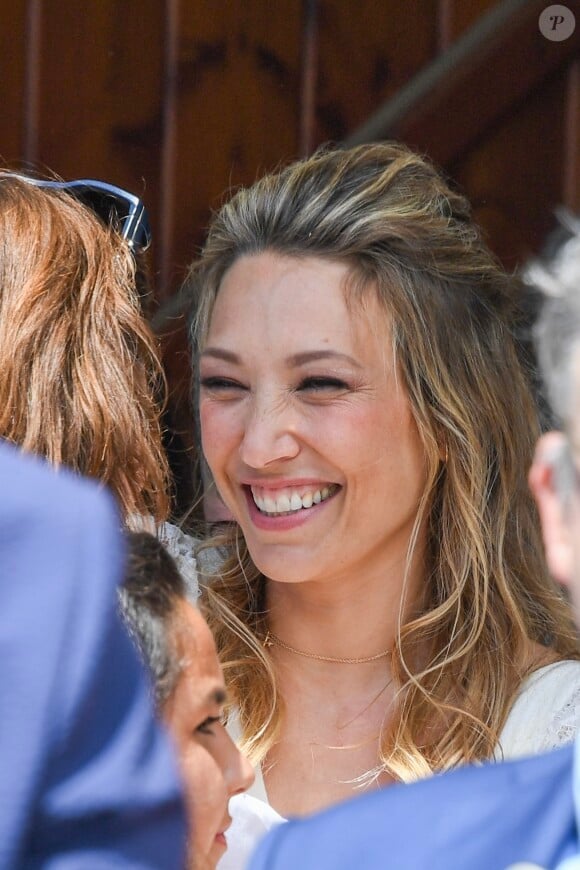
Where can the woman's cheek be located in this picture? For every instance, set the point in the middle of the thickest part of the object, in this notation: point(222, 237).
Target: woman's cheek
point(218, 426)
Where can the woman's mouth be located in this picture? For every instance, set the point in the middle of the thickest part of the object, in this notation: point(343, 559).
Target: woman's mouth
point(290, 500)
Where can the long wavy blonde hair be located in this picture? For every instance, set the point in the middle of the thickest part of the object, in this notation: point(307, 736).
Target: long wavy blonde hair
point(408, 237)
point(81, 381)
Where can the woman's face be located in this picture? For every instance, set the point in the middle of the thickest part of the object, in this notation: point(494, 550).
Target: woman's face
point(212, 768)
point(306, 425)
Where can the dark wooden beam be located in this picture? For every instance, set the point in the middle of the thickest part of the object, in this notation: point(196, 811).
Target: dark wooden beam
point(168, 147)
point(453, 102)
point(31, 89)
point(571, 196)
point(309, 77)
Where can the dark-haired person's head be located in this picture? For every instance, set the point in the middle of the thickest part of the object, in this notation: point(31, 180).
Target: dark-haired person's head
point(179, 652)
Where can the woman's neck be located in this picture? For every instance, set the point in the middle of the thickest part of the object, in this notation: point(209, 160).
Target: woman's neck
point(343, 617)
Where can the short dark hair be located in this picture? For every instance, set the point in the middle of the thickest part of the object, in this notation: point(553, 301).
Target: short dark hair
point(148, 597)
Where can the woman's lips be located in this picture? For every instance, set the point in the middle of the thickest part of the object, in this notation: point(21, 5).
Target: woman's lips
point(291, 498)
point(284, 521)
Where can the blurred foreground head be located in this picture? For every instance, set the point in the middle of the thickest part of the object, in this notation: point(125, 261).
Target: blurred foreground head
point(81, 376)
point(555, 476)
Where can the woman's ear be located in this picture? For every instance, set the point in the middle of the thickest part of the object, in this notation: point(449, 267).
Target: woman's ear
point(545, 479)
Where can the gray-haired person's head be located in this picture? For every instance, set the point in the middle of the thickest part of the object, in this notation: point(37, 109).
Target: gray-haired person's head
point(558, 327)
point(148, 599)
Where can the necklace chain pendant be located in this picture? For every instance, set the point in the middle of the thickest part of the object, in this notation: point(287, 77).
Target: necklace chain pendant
point(272, 639)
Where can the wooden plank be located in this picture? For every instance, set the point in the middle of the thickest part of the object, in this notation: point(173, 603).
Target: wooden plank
point(238, 105)
point(100, 92)
point(308, 77)
point(13, 77)
point(457, 16)
point(514, 176)
point(571, 195)
point(168, 169)
point(365, 57)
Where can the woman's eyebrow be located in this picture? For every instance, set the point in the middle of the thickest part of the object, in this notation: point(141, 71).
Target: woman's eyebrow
point(299, 359)
point(219, 353)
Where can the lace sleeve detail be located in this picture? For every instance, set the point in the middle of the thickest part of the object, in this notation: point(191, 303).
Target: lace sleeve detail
point(182, 547)
point(565, 724)
point(546, 713)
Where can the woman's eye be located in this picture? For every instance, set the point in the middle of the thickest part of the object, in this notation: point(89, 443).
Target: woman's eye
point(217, 385)
point(320, 384)
point(206, 726)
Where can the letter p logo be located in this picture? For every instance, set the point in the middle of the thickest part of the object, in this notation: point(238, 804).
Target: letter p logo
point(557, 23)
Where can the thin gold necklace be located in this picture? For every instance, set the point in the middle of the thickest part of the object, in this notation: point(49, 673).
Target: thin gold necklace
point(272, 639)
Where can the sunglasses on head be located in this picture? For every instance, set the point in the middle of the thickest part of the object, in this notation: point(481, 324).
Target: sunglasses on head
point(111, 204)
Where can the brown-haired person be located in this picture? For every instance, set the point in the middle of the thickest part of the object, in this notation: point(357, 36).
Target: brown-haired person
point(177, 646)
point(82, 383)
point(385, 612)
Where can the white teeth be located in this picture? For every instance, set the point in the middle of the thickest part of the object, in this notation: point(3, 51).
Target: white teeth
point(295, 502)
point(284, 503)
point(269, 505)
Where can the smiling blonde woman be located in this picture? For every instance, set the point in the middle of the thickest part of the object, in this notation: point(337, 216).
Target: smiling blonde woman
point(385, 610)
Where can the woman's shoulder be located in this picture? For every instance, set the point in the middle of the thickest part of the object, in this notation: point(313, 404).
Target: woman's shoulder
point(546, 712)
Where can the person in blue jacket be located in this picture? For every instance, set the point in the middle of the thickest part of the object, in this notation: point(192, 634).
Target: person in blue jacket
point(516, 815)
point(87, 779)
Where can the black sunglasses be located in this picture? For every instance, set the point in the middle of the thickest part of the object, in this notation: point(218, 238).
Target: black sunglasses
point(111, 204)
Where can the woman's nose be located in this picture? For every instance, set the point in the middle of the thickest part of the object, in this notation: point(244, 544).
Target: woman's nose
point(270, 435)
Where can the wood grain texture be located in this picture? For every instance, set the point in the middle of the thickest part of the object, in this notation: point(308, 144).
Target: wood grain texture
point(514, 178)
point(457, 16)
point(101, 93)
point(491, 83)
point(238, 104)
point(366, 55)
point(571, 194)
point(13, 77)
